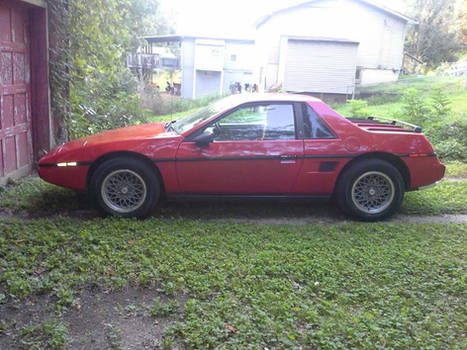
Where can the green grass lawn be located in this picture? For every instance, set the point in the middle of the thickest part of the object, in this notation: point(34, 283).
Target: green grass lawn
point(357, 286)
point(422, 83)
point(456, 169)
point(445, 198)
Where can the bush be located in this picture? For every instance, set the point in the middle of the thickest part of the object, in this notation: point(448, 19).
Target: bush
point(91, 87)
point(97, 107)
point(358, 108)
point(440, 104)
point(449, 139)
point(414, 108)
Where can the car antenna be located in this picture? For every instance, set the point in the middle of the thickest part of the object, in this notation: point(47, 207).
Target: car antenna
point(171, 107)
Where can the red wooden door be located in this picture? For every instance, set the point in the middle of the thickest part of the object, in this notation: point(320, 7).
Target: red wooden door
point(15, 89)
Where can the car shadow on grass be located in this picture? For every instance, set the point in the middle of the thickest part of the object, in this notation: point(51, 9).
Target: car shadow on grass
point(33, 198)
point(272, 211)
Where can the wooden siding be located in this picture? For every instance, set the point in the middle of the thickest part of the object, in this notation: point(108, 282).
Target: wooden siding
point(325, 67)
point(15, 90)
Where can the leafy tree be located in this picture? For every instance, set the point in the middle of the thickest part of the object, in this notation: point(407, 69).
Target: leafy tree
point(434, 39)
point(90, 81)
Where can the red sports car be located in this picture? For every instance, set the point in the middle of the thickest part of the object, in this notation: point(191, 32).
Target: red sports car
point(251, 145)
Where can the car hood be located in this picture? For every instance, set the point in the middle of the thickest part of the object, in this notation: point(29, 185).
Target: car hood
point(131, 133)
point(142, 131)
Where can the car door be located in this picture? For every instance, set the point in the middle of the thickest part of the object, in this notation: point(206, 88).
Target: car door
point(256, 150)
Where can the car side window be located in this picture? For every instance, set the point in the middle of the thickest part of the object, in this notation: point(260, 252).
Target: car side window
point(256, 122)
point(314, 126)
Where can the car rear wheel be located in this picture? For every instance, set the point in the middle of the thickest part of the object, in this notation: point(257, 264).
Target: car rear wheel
point(125, 187)
point(370, 190)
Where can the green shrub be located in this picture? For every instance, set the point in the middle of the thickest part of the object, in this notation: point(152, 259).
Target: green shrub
point(358, 108)
point(91, 87)
point(440, 104)
point(98, 107)
point(414, 107)
point(449, 139)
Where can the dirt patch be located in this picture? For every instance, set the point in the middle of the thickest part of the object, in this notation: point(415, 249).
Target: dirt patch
point(98, 321)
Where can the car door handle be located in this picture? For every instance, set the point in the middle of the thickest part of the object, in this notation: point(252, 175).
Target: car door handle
point(286, 158)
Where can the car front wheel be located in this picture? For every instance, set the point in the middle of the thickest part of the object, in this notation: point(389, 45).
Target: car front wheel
point(370, 190)
point(125, 187)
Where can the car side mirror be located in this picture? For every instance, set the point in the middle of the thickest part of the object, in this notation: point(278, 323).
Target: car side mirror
point(204, 139)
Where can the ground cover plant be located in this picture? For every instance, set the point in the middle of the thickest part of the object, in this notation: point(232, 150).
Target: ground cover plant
point(328, 287)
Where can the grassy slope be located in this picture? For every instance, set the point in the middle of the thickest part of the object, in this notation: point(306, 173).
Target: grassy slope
point(454, 87)
point(355, 286)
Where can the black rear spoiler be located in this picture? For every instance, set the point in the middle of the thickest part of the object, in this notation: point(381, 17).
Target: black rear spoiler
point(415, 128)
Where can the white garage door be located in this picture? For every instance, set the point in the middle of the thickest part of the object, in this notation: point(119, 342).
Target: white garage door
point(320, 66)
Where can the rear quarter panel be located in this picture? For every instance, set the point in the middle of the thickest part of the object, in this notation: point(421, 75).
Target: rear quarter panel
point(326, 158)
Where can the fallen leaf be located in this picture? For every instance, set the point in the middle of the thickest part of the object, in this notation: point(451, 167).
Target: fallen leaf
point(231, 328)
point(39, 271)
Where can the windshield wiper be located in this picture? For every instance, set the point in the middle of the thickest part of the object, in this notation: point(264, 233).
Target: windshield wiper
point(168, 125)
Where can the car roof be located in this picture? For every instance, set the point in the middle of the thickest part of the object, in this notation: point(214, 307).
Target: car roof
point(262, 97)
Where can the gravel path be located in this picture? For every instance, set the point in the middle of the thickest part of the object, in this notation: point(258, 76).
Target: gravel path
point(399, 218)
point(333, 218)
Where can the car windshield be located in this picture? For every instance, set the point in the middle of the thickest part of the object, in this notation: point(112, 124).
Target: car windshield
point(184, 124)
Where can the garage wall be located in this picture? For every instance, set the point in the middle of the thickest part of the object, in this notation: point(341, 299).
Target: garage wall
point(313, 66)
point(380, 35)
point(207, 83)
point(376, 76)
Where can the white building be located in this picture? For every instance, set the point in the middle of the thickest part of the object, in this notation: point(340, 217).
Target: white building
point(329, 46)
point(210, 66)
point(322, 47)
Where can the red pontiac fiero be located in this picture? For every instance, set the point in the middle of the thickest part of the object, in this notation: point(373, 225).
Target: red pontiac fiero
point(252, 146)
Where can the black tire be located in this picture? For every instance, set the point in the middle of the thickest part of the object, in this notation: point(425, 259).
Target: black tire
point(113, 196)
point(365, 184)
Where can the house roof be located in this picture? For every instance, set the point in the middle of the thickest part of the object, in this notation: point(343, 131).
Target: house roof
point(369, 3)
point(174, 38)
point(320, 39)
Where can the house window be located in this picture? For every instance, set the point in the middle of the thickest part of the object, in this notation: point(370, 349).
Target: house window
point(358, 73)
point(233, 58)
